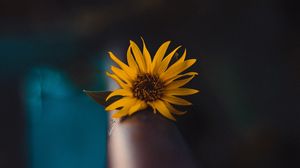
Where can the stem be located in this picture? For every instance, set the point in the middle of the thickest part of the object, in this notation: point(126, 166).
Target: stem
point(147, 140)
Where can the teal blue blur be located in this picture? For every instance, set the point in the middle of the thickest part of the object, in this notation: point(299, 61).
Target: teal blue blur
point(66, 129)
point(63, 128)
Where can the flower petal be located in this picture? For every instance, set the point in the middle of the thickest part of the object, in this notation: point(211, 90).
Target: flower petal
point(162, 109)
point(121, 74)
point(119, 92)
point(130, 71)
point(174, 110)
point(159, 56)
point(125, 101)
point(177, 69)
point(134, 106)
point(180, 60)
point(130, 60)
point(147, 57)
point(121, 113)
point(181, 91)
point(139, 105)
point(138, 56)
point(176, 100)
point(165, 63)
point(153, 107)
point(180, 76)
point(118, 80)
point(179, 83)
point(144, 105)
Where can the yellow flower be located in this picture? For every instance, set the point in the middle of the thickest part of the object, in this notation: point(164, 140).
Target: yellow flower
point(150, 83)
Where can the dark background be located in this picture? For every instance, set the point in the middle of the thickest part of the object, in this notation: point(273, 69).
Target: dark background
point(247, 114)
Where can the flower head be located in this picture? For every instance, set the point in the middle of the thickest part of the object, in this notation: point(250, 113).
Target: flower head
point(146, 82)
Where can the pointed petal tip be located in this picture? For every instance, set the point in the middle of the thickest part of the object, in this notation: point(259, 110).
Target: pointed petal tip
point(172, 118)
point(142, 38)
point(111, 55)
point(167, 42)
point(144, 44)
point(131, 42)
point(193, 60)
point(183, 112)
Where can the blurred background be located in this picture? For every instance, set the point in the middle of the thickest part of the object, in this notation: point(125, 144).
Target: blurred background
point(247, 114)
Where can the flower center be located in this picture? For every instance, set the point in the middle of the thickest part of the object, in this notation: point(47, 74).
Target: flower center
point(147, 87)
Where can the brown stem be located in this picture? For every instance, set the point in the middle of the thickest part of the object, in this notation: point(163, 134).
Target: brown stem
point(147, 140)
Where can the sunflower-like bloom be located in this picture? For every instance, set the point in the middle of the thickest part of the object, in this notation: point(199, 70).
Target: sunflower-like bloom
point(150, 83)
